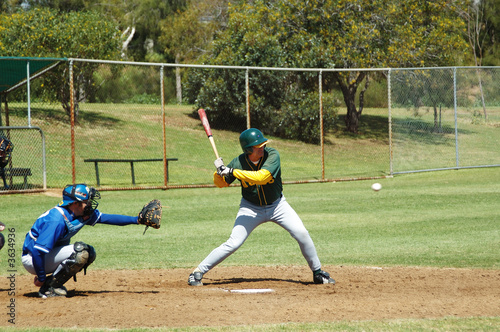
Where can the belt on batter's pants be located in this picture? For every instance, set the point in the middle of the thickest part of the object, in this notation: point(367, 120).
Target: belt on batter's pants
point(277, 199)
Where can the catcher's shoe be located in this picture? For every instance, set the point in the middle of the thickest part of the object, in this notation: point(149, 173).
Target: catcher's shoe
point(195, 279)
point(46, 292)
point(322, 277)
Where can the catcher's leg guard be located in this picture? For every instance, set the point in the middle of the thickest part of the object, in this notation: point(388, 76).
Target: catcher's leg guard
point(81, 258)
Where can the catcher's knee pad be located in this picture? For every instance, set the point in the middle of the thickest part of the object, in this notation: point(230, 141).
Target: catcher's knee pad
point(82, 256)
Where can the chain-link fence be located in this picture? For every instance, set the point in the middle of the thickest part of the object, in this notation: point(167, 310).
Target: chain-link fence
point(128, 131)
point(25, 169)
point(444, 118)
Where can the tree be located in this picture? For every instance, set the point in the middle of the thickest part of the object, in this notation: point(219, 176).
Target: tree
point(492, 33)
point(483, 26)
point(61, 5)
point(7, 6)
point(483, 23)
point(187, 35)
point(141, 21)
point(50, 33)
point(343, 34)
point(138, 19)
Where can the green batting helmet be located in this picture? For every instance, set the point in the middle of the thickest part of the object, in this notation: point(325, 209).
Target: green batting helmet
point(250, 138)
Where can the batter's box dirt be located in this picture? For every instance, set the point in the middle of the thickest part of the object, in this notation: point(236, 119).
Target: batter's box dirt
point(162, 298)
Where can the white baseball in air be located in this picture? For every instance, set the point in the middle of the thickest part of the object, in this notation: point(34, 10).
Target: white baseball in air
point(376, 186)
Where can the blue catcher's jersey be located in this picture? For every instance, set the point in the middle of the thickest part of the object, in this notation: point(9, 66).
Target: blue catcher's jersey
point(55, 228)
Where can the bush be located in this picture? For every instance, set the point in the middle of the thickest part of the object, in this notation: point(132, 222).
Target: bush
point(150, 99)
point(299, 117)
point(132, 84)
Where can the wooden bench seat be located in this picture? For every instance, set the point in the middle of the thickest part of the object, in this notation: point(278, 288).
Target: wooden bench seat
point(9, 173)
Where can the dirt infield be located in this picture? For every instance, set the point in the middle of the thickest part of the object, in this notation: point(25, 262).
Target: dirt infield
point(162, 298)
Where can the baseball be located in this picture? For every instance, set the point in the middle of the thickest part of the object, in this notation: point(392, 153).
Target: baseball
point(376, 186)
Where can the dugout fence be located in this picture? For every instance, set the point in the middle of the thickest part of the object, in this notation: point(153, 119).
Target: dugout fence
point(431, 119)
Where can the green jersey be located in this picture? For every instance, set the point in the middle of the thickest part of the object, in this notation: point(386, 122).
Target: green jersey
point(260, 194)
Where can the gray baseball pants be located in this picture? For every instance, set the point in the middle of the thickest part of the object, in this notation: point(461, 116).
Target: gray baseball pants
point(249, 217)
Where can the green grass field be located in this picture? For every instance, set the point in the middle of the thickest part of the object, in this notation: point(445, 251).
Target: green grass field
point(433, 219)
point(436, 219)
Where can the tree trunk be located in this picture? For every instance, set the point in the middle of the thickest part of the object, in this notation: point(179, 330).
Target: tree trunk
point(473, 29)
point(482, 93)
point(349, 86)
point(436, 122)
point(127, 40)
point(352, 119)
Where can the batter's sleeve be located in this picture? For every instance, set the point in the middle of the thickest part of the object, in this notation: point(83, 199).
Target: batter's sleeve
point(261, 177)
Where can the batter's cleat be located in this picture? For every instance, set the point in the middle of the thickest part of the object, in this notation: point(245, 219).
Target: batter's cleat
point(322, 277)
point(195, 279)
point(46, 292)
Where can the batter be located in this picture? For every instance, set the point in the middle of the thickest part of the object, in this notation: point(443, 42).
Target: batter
point(258, 169)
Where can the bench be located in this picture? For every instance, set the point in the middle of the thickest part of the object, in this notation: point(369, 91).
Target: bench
point(130, 161)
point(9, 173)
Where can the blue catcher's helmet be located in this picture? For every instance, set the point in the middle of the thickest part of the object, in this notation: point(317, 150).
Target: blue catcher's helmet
point(75, 193)
point(79, 193)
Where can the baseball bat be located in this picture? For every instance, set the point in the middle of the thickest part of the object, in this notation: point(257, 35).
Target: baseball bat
point(208, 131)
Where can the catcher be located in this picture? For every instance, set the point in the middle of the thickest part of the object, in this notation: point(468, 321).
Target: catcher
point(47, 252)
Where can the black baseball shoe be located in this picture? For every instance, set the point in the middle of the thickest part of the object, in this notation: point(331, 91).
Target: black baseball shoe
point(51, 288)
point(46, 292)
point(195, 279)
point(322, 277)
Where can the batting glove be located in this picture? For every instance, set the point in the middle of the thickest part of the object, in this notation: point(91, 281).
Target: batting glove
point(225, 171)
point(218, 163)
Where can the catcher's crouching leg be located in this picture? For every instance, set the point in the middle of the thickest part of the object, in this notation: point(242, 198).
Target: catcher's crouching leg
point(80, 259)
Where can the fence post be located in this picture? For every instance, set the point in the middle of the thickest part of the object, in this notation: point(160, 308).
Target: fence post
point(72, 111)
point(455, 108)
point(322, 135)
point(28, 91)
point(389, 103)
point(247, 88)
point(162, 87)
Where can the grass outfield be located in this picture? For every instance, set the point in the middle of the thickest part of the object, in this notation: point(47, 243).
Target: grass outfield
point(447, 324)
point(435, 219)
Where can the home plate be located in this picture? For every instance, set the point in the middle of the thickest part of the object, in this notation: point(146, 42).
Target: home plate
point(252, 290)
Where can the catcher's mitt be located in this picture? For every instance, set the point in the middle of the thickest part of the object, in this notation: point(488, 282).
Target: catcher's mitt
point(150, 214)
